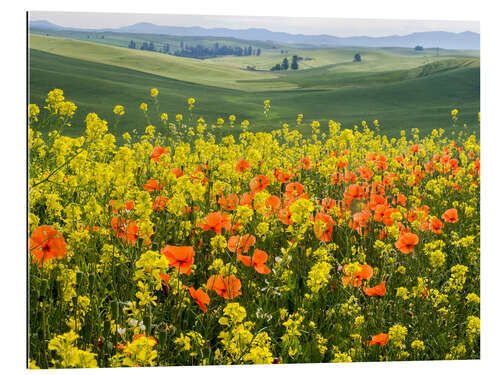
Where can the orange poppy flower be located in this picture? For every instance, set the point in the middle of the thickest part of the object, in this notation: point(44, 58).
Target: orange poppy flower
point(178, 172)
point(200, 297)
point(450, 215)
point(305, 163)
point(414, 149)
point(273, 202)
point(242, 165)
point(353, 191)
point(294, 190)
point(354, 279)
point(246, 199)
point(436, 226)
point(323, 227)
point(360, 220)
point(401, 200)
point(341, 164)
point(180, 257)
point(153, 185)
point(285, 216)
point(365, 173)
point(283, 177)
point(216, 221)
point(350, 177)
point(227, 287)
point(380, 339)
point(377, 290)
point(127, 230)
point(259, 183)
point(229, 203)
point(157, 153)
point(47, 243)
point(165, 278)
point(256, 261)
point(406, 242)
point(129, 205)
point(240, 244)
point(160, 202)
point(336, 178)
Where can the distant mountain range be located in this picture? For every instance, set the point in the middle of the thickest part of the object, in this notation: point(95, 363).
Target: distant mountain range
point(428, 39)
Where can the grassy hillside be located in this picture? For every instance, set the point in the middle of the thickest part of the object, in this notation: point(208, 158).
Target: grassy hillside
point(205, 72)
point(421, 102)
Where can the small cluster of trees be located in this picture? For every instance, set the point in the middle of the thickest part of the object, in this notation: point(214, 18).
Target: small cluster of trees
point(198, 51)
point(145, 46)
point(285, 64)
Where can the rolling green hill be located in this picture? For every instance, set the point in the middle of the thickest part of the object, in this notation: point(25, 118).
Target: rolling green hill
point(206, 72)
point(402, 92)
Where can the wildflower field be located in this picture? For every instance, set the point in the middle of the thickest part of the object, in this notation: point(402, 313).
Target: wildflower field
point(187, 246)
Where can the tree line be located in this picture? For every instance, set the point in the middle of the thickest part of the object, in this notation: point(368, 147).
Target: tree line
point(198, 51)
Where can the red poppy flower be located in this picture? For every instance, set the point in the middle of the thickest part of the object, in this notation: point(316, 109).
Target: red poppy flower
point(127, 230)
point(177, 172)
point(157, 153)
point(450, 215)
point(216, 221)
point(294, 190)
point(365, 173)
point(160, 202)
point(305, 163)
point(240, 244)
point(242, 165)
point(153, 185)
point(229, 203)
point(200, 297)
point(259, 183)
point(323, 227)
point(285, 216)
point(377, 290)
point(180, 257)
point(226, 287)
point(47, 243)
point(246, 199)
point(273, 202)
point(436, 226)
point(129, 205)
point(355, 279)
point(380, 339)
point(406, 242)
point(256, 261)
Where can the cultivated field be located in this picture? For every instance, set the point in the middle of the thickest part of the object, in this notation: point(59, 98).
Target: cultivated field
point(178, 245)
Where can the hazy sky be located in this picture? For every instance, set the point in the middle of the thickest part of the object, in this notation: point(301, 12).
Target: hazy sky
point(331, 26)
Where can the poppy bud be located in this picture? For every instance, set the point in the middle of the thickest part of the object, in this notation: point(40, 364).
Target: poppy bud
point(114, 310)
point(276, 361)
point(147, 324)
point(165, 289)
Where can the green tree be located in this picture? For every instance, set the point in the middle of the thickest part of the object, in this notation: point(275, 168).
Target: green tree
point(295, 63)
point(284, 64)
